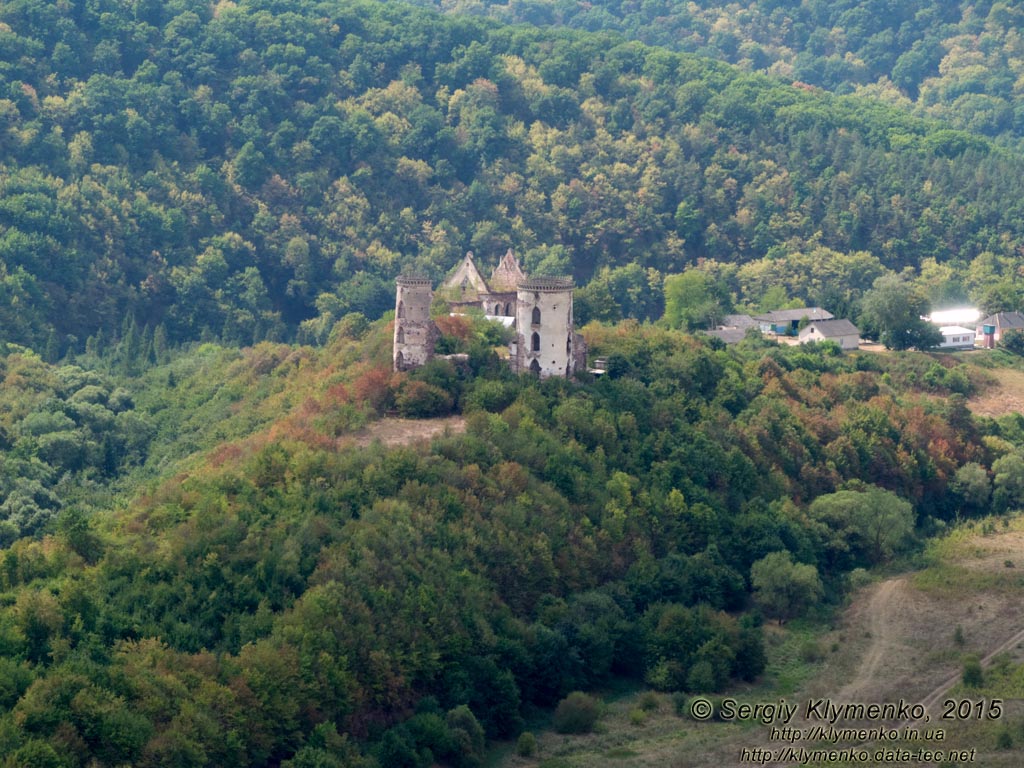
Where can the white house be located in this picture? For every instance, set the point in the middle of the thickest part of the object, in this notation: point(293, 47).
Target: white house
point(841, 331)
point(957, 337)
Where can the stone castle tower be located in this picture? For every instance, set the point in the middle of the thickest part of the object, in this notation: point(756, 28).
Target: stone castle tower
point(539, 309)
point(544, 327)
point(415, 332)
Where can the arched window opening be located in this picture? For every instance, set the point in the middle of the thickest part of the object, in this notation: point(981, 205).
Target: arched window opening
point(401, 309)
point(508, 310)
point(535, 366)
point(535, 342)
point(536, 315)
point(497, 309)
point(399, 361)
point(400, 336)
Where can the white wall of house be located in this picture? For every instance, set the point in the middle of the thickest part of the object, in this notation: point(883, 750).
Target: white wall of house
point(810, 333)
point(957, 337)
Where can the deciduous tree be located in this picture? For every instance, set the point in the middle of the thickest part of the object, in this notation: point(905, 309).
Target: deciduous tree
point(784, 589)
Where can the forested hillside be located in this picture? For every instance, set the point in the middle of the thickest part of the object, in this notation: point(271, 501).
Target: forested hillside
point(957, 61)
point(291, 598)
point(257, 170)
point(202, 211)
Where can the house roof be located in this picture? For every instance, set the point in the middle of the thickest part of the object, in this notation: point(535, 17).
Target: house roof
point(791, 315)
point(508, 322)
point(737, 321)
point(832, 329)
point(956, 330)
point(1004, 320)
point(728, 335)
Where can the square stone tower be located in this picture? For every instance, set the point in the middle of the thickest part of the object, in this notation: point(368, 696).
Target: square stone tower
point(415, 332)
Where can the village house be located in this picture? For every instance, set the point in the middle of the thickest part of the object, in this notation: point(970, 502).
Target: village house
point(841, 331)
point(727, 335)
point(786, 322)
point(991, 329)
point(957, 337)
point(737, 322)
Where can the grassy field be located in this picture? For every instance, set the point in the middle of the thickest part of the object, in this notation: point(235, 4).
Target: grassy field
point(1006, 396)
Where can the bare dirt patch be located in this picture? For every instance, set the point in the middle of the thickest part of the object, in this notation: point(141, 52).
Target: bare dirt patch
point(910, 649)
point(900, 635)
point(396, 431)
point(1005, 396)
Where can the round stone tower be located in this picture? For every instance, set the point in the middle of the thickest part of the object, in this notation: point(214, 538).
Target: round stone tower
point(544, 327)
point(415, 333)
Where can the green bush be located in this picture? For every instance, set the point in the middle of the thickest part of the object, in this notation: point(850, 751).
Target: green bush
point(526, 744)
point(973, 676)
point(810, 651)
point(701, 678)
point(649, 702)
point(1004, 740)
point(576, 713)
point(666, 676)
point(418, 400)
point(679, 703)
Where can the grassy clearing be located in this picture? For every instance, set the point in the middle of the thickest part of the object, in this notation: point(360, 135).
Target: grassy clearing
point(795, 653)
point(984, 555)
point(1002, 385)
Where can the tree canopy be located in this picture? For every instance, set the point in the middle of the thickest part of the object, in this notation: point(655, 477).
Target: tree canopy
point(893, 311)
point(252, 585)
point(259, 172)
point(784, 589)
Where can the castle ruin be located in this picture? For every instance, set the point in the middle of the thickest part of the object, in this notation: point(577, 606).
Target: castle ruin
point(539, 310)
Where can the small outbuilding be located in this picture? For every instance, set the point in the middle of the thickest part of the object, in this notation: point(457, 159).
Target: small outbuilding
point(841, 331)
point(741, 322)
point(957, 337)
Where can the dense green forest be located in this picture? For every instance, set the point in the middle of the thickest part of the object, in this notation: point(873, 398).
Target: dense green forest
point(285, 597)
point(956, 61)
point(202, 211)
point(258, 170)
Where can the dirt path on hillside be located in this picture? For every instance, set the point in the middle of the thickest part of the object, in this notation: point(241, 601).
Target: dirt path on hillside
point(395, 431)
point(881, 615)
point(910, 651)
point(932, 699)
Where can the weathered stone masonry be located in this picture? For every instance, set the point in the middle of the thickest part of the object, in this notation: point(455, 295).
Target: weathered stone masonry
point(539, 309)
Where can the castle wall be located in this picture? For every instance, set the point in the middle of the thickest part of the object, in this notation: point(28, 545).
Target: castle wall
point(499, 304)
